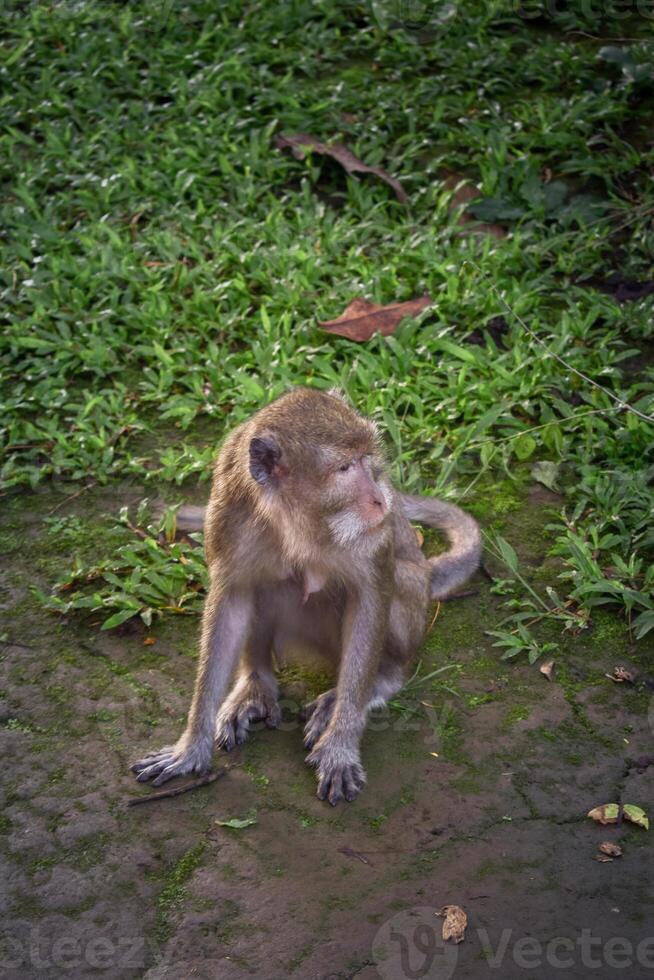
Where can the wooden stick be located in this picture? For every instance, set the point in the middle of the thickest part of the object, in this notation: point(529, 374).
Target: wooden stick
point(178, 790)
point(73, 496)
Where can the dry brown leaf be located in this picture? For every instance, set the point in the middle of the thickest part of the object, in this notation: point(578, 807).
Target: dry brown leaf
point(613, 850)
point(299, 143)
point(463, 194)
point(420, 538)
point(361, 319)
point(149, 641)
point(602, 858)
point(547, 669)
point(607, 813)
point(621, 674)
point(455, 922)
point(617, 812)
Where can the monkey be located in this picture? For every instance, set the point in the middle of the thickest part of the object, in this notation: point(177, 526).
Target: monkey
point(310, 547)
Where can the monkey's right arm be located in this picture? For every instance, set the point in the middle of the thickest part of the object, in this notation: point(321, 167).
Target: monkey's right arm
point(336, 754)
point(225, 625)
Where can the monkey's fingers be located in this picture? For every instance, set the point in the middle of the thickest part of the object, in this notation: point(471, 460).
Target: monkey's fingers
point(154, 769)
point(337, 781)
point(151, 758)
point(175, 769)
point(341, 784)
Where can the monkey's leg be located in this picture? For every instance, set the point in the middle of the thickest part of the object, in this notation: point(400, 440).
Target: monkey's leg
point(254, 696)
point(225, 625)
point(336, 754)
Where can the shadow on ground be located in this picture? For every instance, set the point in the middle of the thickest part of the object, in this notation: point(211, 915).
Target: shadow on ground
point(478, 789)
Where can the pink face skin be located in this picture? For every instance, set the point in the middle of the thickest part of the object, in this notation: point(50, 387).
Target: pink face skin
point(356, 480)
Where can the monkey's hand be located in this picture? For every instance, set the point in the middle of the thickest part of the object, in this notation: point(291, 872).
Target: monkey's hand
point(175, 760)
point(339, 770)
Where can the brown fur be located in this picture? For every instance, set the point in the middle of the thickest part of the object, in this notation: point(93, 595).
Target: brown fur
point(310, 548)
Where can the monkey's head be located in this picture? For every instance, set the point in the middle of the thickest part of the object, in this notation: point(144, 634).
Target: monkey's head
point(323, 463)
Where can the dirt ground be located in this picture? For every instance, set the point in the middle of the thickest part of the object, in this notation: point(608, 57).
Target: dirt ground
point(476, 797)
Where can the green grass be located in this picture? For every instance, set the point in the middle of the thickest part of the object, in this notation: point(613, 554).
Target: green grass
point(164, 267)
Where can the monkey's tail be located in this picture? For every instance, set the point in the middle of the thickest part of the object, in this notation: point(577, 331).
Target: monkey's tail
point(454, 567)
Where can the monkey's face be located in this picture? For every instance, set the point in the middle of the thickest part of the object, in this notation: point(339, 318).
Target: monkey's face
point(341, 490)
point(356, 497)
point(323, 463)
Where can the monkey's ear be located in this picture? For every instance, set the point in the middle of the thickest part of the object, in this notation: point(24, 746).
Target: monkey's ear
point(265, 458)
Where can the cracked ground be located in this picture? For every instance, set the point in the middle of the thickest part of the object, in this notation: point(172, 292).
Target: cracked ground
point(477, 795)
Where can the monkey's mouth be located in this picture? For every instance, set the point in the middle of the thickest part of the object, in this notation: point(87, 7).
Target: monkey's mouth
point(373, 522)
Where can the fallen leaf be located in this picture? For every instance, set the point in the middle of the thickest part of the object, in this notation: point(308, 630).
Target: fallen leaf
point(547, 473)
point(547, 669)
point(361, 319)
point(614, 813)
point(602, 858)
point(621, 674)
point(301, 143)
point(455, 922)
point(613, 850)
point(420, 538)
point(636, 815)
point(463, 194)
point(149, 640)
point(607, 813)
point(239, 824)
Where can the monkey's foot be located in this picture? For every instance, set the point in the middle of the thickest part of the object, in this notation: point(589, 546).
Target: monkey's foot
point(248, 702)
point(317, 715)
point(174, 760)
point(340, 774)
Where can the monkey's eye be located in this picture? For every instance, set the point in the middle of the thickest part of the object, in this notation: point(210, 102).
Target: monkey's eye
point(345, 467)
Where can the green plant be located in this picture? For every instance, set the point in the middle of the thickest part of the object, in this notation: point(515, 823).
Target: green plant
point(151, 573)
point(163, 267)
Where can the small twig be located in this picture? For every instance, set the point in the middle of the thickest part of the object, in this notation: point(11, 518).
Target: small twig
point(137, 530)
point(438, 609)
point(73, 496)
point(358, 855)
point(556, 611)
point(178, 790)
point(603, 40)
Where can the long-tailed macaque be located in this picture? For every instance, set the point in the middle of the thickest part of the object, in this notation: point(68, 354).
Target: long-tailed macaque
point(309, 547)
